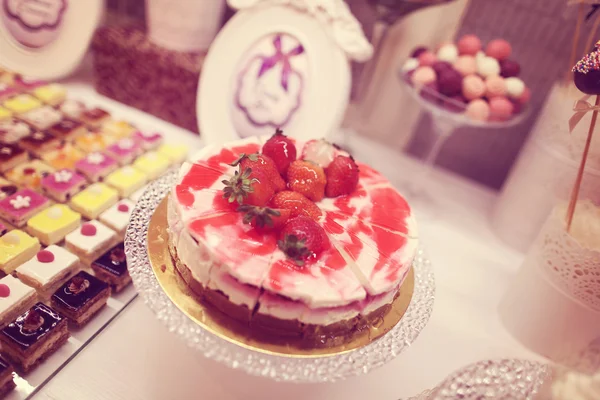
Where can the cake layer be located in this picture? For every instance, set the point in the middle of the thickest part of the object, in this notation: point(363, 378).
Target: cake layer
point(372, 232)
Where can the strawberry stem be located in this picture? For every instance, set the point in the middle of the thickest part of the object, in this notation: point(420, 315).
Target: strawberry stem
point(294, 248)
point(239, 186)
point(262, 216)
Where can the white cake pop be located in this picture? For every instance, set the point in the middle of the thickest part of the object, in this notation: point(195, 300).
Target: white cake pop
point(487, 66)
point(479, 54)
point(448, 52)
point(514, 87)
point(410, 64)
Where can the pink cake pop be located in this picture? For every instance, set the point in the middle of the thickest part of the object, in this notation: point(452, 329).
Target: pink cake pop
point(500, 109)
point(500, 49)
point(466, 65)
point(423, 75)
point(478, 110)
point(469, 45)
point(427, 59)
point(495, 86)
point(473, 87)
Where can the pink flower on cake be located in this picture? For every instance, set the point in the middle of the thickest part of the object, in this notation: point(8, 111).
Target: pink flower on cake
point(20, 202)
point(95, 158)
point(63, 176)
point(126, 144)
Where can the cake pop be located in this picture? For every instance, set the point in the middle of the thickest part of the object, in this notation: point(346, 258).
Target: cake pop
point(427, 58)
point(450, 82)
point(417, 51)
point(466, 65)
point(487, 66)
point(587, 72)
point(441, 66)
point(514, 87)
point(448, 52)
point(509, 68)
point(410, 64)
point(500, 109)
point(423, 75)
point(500, 49)
point(469, 45)
point(478, 110)
point(495, 86)
point(473, 87)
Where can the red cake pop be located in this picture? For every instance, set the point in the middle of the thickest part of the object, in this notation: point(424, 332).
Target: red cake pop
point(469, 45)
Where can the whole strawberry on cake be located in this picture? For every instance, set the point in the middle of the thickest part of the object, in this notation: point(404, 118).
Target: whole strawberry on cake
point(295, 240)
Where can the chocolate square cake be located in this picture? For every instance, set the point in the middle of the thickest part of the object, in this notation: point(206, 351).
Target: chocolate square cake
point(81, 297)
point(33, 336)
point(111, 267)
point(11, 156)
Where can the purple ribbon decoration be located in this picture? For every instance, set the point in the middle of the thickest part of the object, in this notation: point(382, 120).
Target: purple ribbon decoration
point(270, 62)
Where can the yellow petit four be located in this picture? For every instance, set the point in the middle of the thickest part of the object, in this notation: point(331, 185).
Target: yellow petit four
point(16, 247)
point(177, 153)
point(117, 129)
point(52, 94)
point(152, 164)
point(53, 224)
point(5, 113)
point(94, 200)
point(22, 103)
point(126, 180)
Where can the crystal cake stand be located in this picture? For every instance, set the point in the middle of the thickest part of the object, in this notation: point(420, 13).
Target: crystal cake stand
point(281, 368)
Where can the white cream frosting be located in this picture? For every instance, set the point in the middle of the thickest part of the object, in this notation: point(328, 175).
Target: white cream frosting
point(320, 297)
point(18, 292)
point(45, 272)
point(577, 386)
point(89, 244)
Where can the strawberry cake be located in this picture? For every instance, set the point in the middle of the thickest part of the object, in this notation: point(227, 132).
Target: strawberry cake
point(294, 240)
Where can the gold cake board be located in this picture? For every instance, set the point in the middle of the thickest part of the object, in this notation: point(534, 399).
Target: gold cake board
point(233, 331)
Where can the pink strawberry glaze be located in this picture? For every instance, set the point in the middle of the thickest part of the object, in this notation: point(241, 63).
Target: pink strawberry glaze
point(37, 201)
point(49, 181)
point(4, 290)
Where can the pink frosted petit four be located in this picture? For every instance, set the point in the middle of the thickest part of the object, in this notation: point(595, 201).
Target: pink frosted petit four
point(148, 141)
point(96, 166)
point(124, 150)
point(63, 184)
point(19, 207)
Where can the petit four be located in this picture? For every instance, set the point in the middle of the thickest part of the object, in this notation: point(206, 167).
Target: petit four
point(29, 174)
point(16, 247)
point(11, 156)
point(152, 164)
point(72, 108)
point(27, 83)
point(42, 118)
point(39, 142)
point(5, 113)
point(67, 129)
point(94, 200)
point(111, 267)
point(17, 208)
point(96, 166)
point(137, 195)
point(91, 240)
point(91, 141)
point(3, 229)
point(117, 129)
point(51, 225)
point(126, 180)
point(117, 217)
point(52, 94)
point(94, 117)
point(15, 297)
point(177, 153)
point(22, 103)
point(64, 156)
point(12, 130)
point(7, 188)
point(33, 336)
point(148, 141)
point(62, 185)
point(81, 297)
point(48, 269)
point(124, 150)
point(6, 377)
point(7, 91)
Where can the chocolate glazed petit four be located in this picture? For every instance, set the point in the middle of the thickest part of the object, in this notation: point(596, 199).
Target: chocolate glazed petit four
point(6, 377)
point(81, 297)
point(111, 267)
point(34, 336)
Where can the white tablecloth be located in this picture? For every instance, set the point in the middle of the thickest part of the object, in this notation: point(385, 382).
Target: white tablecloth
point(135, 357)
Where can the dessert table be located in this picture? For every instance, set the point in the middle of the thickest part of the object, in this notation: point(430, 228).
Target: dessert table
point(135, 357)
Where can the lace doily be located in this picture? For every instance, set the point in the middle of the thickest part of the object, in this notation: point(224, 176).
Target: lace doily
point(335, 16)
point(318, 369)
point(571, 266)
